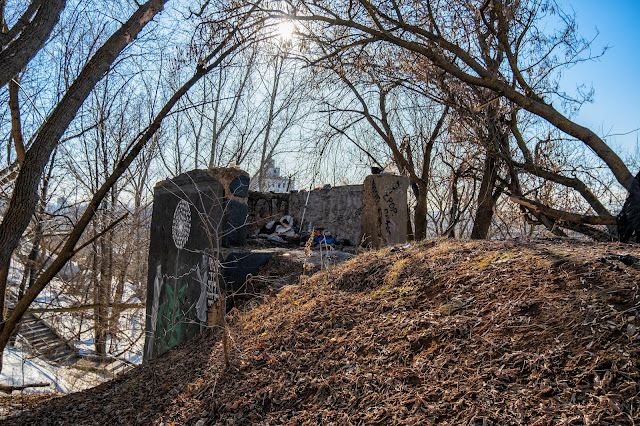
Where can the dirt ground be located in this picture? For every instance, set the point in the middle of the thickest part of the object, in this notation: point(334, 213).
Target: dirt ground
point(443, 332)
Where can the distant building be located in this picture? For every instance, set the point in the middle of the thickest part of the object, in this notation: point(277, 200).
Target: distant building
point(272, 181)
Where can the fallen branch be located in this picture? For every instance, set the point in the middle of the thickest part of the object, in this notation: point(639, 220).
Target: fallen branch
point(563, 215)
point(87, 307)
point(9, 389)
point(594, 233)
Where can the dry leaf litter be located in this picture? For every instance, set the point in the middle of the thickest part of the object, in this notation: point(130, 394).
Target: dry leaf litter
point(531, 332)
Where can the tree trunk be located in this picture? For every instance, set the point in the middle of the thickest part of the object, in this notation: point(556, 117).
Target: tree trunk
point(100, 297)
point(486, 201)
point(16, 126)
point(114, 318)
point(123, 268)
point(4, 276)
point(450, 232)
point(32, 259)
point(25, 196)
point(420, 212)
point(410, 234)
point(32, 35)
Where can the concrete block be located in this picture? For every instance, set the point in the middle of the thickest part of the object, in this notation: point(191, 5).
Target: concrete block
point(181, 285)
point(238, 265)
point(384, 216)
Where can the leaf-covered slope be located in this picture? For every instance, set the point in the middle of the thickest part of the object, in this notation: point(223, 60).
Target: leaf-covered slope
point(447, 332)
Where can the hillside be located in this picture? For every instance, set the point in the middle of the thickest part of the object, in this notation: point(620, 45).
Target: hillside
point(446, 332)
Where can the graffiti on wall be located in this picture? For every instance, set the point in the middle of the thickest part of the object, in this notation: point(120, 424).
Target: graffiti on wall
point(384, 217)
point(176, 318)
point(387, 208)
point(207, 274)
point(182, 282)
point(264, 207)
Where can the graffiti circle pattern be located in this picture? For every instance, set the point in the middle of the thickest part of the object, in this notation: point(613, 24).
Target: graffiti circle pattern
point(181, 224)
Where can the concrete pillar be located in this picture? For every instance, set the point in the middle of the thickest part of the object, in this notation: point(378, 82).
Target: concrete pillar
point(235, 183)
point(384, 214)
point(193, 214)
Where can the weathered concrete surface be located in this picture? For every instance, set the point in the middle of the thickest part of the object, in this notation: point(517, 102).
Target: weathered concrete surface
point(235, 183)
point(265, 207)
point(338, 210)
point(384, 218)
point(237, 265)
point(181, 284)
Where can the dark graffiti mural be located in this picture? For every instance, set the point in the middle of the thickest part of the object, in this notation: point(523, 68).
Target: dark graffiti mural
point(182, 270)
point(264, 207)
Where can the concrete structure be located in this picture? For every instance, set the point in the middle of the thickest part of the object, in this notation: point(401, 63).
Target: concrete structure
point(384, 217)
point(265, 207)
point(272, 181)
point(199, 224)
point(342, 210)
point(193, 215)
point(338, 210)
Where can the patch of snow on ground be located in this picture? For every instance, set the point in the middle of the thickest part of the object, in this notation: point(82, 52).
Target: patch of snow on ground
point(18, 369)
point(21, 368)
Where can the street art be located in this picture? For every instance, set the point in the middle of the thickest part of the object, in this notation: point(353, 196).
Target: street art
point(206, 275)
point(173, 321)
point(181, 224)
point(157, 285)
point(212, 282)
point(384, 216)
point(264, 207)
point(169, 315)
point(201, 305)
point(388, 209)
point(183, 274)
point(389, 225)
point(170, 311)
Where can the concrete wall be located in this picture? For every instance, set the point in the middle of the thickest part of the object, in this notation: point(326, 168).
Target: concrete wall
point(377, 209)
point(338, 210)
point(191, 213)
point(265, 207)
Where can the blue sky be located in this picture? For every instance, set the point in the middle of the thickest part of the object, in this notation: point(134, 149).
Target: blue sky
point(616, 76)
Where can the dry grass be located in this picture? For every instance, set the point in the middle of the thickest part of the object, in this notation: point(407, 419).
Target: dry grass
point(446, 332)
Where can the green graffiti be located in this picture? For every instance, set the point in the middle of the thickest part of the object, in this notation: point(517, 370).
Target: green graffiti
point(170, 325)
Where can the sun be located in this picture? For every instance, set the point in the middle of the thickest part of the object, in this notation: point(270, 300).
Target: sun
point(286, 29)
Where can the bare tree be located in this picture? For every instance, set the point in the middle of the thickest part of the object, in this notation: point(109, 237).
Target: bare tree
point(24, 198)
point(406, 125)
point(20, 43)
point(450, 36)
point(227, 38)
